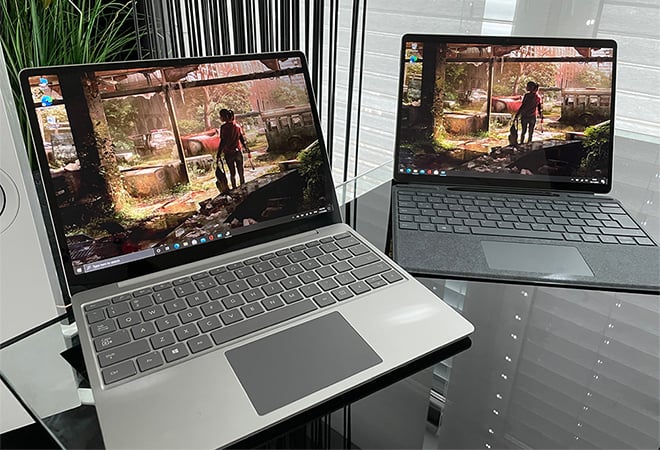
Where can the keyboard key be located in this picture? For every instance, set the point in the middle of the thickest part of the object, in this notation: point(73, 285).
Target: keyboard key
point(175, 306)
point(342, 293)
point(272, 289)
point(310, 264)
point(290, 283)
point(206, 283)
point(95, 316)
point(164, 295)
point(197, 299)
point(118, 309)
point(111, 340)
point(342, 255)
point(252, 310)
point(105, 327)
point(199, 276)
point(180, 281)
point(644, 241)
point(359, 287)
point(392, 276)
point(152, 313)
point(257, 280)
point(325, 272)
point(244, 272)
point(190, 315)
point(199, 344)
point(626, 240)
point(623, 232)
point(344, 279)
point(143, 330)
point(229, 317)
point(142, 292)
point(608, 239)
point(370, 270)
point(291, 296)
point(293, 269)
point(376, 282)
point(175, 353)
point(118, 372)
point(150, 361)
point(262, 267)
point(209, 324)
point(262, 321)
point(276, 275)
point(237, 286)
point(253, 295)
point(233, 301)
point(590, 238)
point(225, 278)
point(272, 303)
point(624, 221)
point(166, 323)
point(186, 331)
point(123, 352)
point(184, 289)
point(341, 266)
point(364, 260)
point(308, 277)
point(310, 290)
point(328, 284)
point(162, 340)
point(217, 292)
point(121, 298)
point(517, 233)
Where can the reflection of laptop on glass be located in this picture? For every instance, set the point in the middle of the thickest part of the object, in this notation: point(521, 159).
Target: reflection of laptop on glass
point(475, 197)
point(205, 316)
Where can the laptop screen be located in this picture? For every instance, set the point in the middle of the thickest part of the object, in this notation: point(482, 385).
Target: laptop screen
point(506, 111)
point(154, 163)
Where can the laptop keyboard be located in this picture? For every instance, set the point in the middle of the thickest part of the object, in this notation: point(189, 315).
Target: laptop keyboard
point(150, 328)
point(517, 216)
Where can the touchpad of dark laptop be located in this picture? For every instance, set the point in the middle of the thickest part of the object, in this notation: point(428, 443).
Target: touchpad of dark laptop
point(291, 364)
point(537, 258)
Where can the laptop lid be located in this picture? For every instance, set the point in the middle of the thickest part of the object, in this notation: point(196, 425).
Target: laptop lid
point(459, 97)
point(127, 153)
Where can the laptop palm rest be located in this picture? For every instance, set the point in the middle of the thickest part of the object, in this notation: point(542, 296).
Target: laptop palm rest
point(538, 258)
point(291, 364)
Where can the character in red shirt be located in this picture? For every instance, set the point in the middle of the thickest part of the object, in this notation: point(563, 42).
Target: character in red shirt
point(531, 103)
point(232, 145)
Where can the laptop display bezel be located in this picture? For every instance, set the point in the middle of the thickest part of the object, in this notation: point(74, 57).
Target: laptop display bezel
point(80, 282)
point(497, 182)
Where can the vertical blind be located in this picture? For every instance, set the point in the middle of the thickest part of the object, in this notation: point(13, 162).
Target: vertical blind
point(352, 48)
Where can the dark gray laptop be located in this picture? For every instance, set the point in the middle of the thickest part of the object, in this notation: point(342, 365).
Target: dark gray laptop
point(503, 147)
point(207, 310)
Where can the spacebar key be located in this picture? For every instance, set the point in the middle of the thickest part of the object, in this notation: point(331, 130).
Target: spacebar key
point(263, 321)
point(517, 233)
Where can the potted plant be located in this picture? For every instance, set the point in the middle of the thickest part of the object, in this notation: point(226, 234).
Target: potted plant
point(53, 32)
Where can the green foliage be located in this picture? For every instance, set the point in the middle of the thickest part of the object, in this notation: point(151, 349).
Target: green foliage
point(591, 77)
point(287, 94)
point(52, 32)
point(596, 142)
point(122, 116)
point(310, 168)
point(188, 126)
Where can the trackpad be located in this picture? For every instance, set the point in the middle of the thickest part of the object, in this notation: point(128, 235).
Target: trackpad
point(291, 364)
point(537, 258)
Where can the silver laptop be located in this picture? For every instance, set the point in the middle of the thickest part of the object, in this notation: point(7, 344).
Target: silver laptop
point(503, 147)
point(209, 310)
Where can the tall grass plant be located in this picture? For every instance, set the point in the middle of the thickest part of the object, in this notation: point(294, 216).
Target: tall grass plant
point(54, 32)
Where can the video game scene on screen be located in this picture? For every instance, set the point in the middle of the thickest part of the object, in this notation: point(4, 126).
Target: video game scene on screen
point(520, 110)
point(167, 158)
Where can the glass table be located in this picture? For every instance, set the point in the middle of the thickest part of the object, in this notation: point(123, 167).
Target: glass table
point(547, 367)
